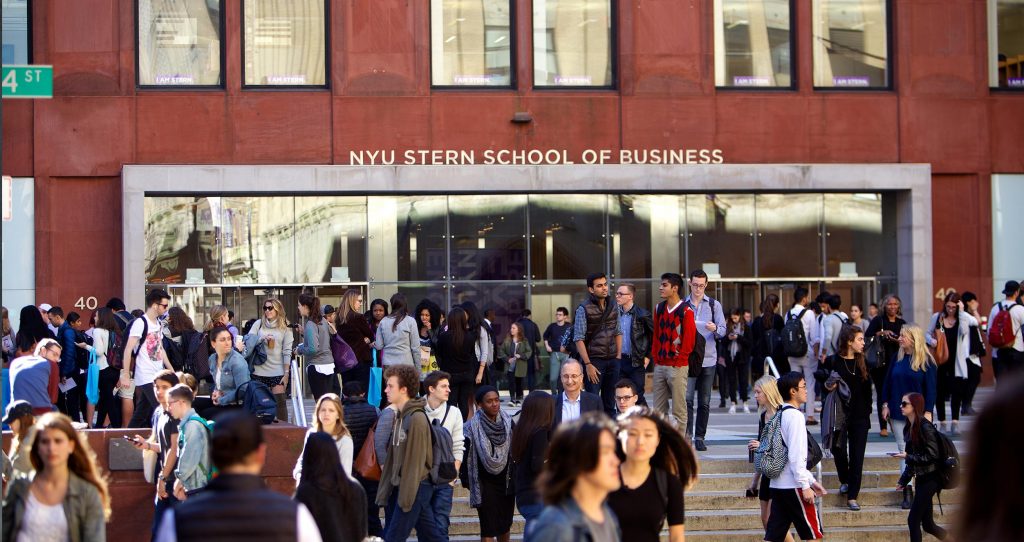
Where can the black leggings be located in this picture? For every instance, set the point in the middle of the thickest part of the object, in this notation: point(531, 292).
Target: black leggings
point(515, 387)
point(736, 376)
point(109, 403)
point(462, 387)
point(973, 379)
point(926, 486)
point(321, 384)
point(850, 466)
point(951, 388)
point(878, 375)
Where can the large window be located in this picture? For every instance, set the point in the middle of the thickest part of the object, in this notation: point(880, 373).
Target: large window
point(1006, 43)
point(851, 43)
point(572, 43)
point(16, 34)
point(471, 43)
point(284, 43)
point(179, 43)
point(753, 46)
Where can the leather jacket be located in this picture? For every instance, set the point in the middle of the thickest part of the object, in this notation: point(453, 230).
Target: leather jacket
point(922, 458)
point(641, 334)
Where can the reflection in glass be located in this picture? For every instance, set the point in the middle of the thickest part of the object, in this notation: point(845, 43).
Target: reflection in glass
point(507, 299)
point(856, 234)
point(645, 234)
point(752, 43)
point(330, 231)
point(1006, 43)
point(284, 42)
point(15, 32)
point(471, 43)
point(179, 42)
point(407, 237)
point(789, 235)
point(488, 237)
point(567, 239)
point(181, 234)
point(719, 230)
point(572, 43)
point(414, 293)
point(258, 237)
point(851, 44)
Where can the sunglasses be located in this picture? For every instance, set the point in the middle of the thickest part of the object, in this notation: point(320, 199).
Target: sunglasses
point(904, 404)
point(268, 308)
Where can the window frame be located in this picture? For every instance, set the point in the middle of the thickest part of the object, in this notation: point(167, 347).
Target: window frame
point(327, 54)
point(992, 47)
point(890, 56)
point(794, 61)
point(223, 58)
point(512, 59)
point(613, 55)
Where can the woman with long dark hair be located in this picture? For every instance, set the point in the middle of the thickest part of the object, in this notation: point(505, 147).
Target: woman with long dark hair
point(657, 465)
point(428, 321)
point(102, 340)
point(456, 355)
point(377, 311)
point(849, 442)
point(736, 350)
point(68, 494)
point(582, 468)
point(316, 346)
point(921, 456)
point(516, 352)
point(230, 372)
point(955, 323)
point(31, 330)
point(355, 331)
point(487, 466)
point(887, 327)
point(766, 338)
point(337, 503)
point(483, 337)
point(398, 336)
point(529, 446)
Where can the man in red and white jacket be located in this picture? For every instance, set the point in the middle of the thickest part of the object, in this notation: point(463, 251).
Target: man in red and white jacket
point(674, 333)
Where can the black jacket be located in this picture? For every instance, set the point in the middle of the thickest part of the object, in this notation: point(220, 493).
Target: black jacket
point(589, 402)
point(236, 507)
point(337, 520)
point(641, 334)
point(359, 418)
point(923, 457)
point(532, 334)
point(744, 340)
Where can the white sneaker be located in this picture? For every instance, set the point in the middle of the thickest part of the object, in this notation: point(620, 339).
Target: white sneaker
point(746, 409)
point(732, 409)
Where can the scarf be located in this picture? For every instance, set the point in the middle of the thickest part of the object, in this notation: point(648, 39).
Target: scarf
point(491, 441)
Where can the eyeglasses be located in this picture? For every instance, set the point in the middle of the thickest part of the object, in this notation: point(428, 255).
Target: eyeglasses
point(173, 401)
point(698, 286)
point(268, 308)
point(165, 305)
point(904, 404)
point(620, 294)
point(621, 398)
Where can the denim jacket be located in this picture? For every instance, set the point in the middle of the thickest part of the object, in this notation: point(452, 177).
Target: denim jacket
point(193, 466)
point(83, 509)
point(565, 523)
point(233, 373)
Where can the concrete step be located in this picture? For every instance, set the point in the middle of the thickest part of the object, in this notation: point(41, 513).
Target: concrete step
point(721, 465)
point(738, 482)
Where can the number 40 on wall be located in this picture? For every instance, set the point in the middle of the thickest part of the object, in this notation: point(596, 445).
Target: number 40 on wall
point(943, 292)
point(87, 303)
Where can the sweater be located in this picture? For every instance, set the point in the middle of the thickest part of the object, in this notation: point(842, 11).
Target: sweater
point(456, 360)
point(100, 345)
point(398, 346)
point(410, 456)
point(674, 334)
point(316, 344)
point(34, 379)
point(903, 379)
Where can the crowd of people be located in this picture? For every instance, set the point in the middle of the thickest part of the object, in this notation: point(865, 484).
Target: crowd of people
point(589, 457)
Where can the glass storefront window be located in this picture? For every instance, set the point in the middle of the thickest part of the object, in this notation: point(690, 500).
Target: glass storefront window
point(720, 230)
point(858, 236)
point(488, 240)
point(407, 238)
point(182, 233)
point(753, 45)
point(567, 235)
point(645, 234)
point(330, 232)
point(471, 43)
point(851, 43)
point(179, 43)
point(572, 43)
point(16, 32)
point(284, 43)
point(789, 235)
point(506, 299)
point(1006, 44)
point(258, 240)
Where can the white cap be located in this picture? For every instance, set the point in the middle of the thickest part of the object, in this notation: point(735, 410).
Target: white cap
point(45, 306)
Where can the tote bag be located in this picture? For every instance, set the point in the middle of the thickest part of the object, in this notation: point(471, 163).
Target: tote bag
point(92, 381)
point(376, 375)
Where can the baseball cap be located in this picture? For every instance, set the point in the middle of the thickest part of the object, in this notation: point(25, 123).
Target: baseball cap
point(45, 306)
point(16, 410)
point(1011, 287)
point(328, 309)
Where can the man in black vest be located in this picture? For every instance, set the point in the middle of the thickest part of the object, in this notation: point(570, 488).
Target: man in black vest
point(237, 505)
point(598, 340)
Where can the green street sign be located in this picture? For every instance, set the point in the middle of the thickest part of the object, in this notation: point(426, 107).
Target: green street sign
point(27, 81)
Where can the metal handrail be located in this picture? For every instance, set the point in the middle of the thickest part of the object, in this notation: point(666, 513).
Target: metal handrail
point(297, 404)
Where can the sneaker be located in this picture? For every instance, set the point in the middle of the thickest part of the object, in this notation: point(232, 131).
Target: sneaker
point(942, 427)
point(853, 505)
point(721, 404)
point(844, 488)
point(699, 444)
point(746, 409)
point(955, 429)
point(884, 432)
point(732, 409)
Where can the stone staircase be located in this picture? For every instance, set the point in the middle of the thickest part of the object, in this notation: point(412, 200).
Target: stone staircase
point(717, 511)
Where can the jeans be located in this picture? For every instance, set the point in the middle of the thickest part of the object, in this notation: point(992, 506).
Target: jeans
point(901, 445)
point(671, 382)
point(531, 373)
point(921, 509)
point(878, 375)
point(421, 516)
point(701, 387)
point(441, 504)
point(555, 369)
point(373, 526)
point(636, 374)
point(162, 505)
point(530, 512)
point(973, 379)
point(145, 404)
point(609, 369)
point(806, 365)
point(850, 467)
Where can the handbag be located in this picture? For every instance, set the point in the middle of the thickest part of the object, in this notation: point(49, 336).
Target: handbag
point(874, 352)
point(941, 351)
point(149, 458)
point(366, 462)
point(344, 357)
point(92, 381)
point(373, 395)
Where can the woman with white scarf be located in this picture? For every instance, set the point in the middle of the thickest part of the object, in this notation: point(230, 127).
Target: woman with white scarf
point(955, 323)
point(491, 487)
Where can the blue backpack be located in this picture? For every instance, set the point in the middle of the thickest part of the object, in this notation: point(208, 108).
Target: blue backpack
point(259, 401)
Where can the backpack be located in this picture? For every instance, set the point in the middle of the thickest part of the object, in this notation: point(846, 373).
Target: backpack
point(948, 463)
point(175, 353)
point(199, 358)
point(443, 469)
point(138, 345)
point(794, 340)
point(259, 401)
point(208, 425)
point(81, 354)
point(191, 341)
point(773, 453)
point(115, 350)
point(1000, 331)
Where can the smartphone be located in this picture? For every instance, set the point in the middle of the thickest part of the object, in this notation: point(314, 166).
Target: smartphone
point(893, 454)
point(129, 439)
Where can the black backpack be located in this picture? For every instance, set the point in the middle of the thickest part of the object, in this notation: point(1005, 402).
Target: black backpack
point(138, 345)
point(696, 360)
point(442, 470)
point(948, 463)
point(259, 401)
point(794, 340)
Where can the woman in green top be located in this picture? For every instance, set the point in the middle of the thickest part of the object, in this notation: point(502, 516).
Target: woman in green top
point(516, 353)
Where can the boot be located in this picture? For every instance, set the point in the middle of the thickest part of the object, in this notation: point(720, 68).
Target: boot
point(282, 407)
point(908, 496)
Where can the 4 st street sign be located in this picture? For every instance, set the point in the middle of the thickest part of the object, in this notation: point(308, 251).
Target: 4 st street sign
point(27, 81)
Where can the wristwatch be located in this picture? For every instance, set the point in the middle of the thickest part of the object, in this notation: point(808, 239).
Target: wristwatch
point(162, 477)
